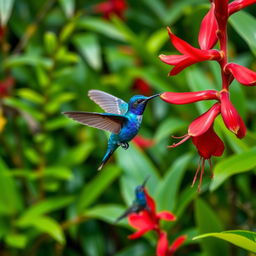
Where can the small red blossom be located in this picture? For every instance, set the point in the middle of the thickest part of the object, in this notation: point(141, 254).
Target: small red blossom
point(207, 35)
point(5, 86)
point(237, 5)
point(148, 219)
point(111, 7)
point(188, 97)
point(191, 55)
point(142, 142)
point(163, 249)
point(231, 117)
point(142, 87)
point(242, 74)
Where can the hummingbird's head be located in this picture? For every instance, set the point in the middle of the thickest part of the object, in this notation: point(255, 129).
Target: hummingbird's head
point(138, 103)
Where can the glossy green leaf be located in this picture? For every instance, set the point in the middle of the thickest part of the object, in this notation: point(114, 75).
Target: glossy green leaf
point(44, 207)
point(16, 240)
point(30, 95)
point(97, 186)
point(242, 238)
point(68, 7)
point(5, 11)
point(137, 166)
point(171, 183)
point(108, 213)
point(88, 46)
point(101, 26)
point(232, 165)
point(207, 221)
point(50, 41)
point(244, 24)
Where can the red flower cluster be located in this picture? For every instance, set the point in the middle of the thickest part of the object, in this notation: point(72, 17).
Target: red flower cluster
point(111, 7)
point(213, 28)
point(149, 219)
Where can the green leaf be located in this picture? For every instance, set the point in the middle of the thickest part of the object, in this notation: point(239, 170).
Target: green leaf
point(101, 26)
point(137, 166)
point(5, 11)
point(16, 240)
point(89, 47)
point(10, 201)
point(171, 183)
point(157, 40)
point(44, 207)
point(244, 24)
point(68, 7)
point(30, 95)
point(51, 42)
point(235, 164)
point(242, 238)
point(108, 213)
point(46, 225)
point(207, 221)
point(97, 186)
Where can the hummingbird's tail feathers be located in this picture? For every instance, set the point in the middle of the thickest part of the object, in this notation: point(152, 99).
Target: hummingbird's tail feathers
point(105, 121)
point(108, 154)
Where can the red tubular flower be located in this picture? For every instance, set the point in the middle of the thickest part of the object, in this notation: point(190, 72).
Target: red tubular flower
point(5, 86)
point(237, 5)
point(163, 249)
point(230, 116)
point(190, 55)
point(207, 35)
point(188, 97)
point(148, 219)
point(221, 13)
point(142, 87)
point(142, 142)
point(242, 74)
point(110, 7)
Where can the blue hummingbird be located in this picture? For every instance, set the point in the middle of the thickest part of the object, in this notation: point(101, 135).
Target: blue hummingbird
point(140, 202)
point(122, 119)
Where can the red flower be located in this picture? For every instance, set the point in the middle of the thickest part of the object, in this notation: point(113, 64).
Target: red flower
point(142, 142)
point(163, 249)
point(110, 7)
point(5, 86)
point(190, 55)
point(242, 74)
point(231, 118)
point(207, 35)
point(237, 5)
point(142, 87)
point(148, 219)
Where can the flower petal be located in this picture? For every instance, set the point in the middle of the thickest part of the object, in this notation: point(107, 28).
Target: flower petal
point(166, 215)
point(150, 203)
point(141, 220)
point(162, 245)
point(202, 123)
point(172, 59)
point(242, 74)
point(176, 244)
point(237, 5)
point(139, 233)
point(231, 117)
point(207, 35)
point(188, 97)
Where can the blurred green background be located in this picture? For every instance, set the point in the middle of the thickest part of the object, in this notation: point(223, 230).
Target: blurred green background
point(52, 199)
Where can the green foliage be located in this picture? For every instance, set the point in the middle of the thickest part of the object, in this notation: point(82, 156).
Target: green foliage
point(52, 199)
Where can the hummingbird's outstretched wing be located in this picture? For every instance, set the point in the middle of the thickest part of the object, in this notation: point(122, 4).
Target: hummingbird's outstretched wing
point(108, 102)
point(105, 121)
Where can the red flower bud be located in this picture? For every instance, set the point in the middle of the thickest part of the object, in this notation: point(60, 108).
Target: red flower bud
point(221, 13)
point(142, 142)
point(188, 97)
point(202, 123)
point(207, 35)
point(190, 55)
point(242, 74)
point(231, 117)
point(237, 5)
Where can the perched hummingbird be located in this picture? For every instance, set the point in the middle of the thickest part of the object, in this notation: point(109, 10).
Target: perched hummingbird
point(122, 119)
point(140, 202)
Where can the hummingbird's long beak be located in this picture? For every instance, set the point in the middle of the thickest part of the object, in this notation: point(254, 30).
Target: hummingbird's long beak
point(145, 181)
point(153, 96)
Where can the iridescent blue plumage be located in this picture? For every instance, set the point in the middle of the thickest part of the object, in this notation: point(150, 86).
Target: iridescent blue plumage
point(123, 119)
point(139, 203)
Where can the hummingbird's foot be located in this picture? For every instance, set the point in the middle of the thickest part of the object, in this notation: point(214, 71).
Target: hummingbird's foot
point(124, 145)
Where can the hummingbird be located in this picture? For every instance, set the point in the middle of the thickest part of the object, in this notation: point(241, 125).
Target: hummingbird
point(122, 119)
point(140, 202)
